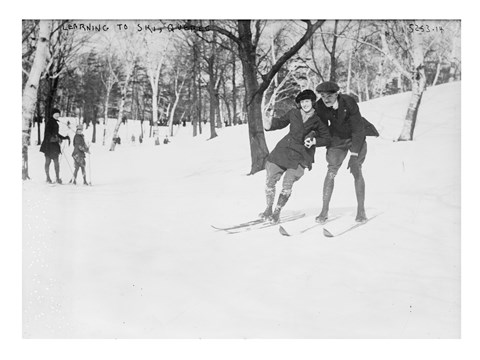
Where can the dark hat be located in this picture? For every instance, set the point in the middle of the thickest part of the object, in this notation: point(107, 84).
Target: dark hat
point(328, 86)
point(306, 94)
point(55, 110)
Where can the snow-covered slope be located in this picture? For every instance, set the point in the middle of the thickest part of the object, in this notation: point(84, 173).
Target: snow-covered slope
point(134, 255)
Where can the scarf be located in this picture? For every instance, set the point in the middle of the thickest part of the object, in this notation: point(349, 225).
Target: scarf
point(307, 115)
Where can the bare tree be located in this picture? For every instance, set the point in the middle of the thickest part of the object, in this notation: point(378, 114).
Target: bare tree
point(247, 43)
point(29, 96)
point(177, 88)
point(128, 48)
point(109, 78)
point(153, 57)
point(64, 47)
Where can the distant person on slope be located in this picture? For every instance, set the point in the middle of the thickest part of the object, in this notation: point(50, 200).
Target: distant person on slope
point(294, 152)
point(51, 145)
point(79, 150)
point(347, 127)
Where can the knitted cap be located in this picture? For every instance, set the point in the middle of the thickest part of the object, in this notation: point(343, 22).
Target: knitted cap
point(55, 110)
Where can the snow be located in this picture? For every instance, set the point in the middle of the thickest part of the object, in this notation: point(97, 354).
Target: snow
point(134, 256)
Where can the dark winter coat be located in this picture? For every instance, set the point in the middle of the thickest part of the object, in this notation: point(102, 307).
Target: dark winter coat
point(344, 122)
point(79, 149)
point(51, 139)
point(291, 151)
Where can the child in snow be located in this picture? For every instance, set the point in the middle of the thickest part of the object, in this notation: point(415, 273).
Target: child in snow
point(294, 152)
point(79, 150)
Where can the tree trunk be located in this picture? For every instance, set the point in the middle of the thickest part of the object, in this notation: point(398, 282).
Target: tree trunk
point(333, 56)
point(199, 109)
point(367, 94)
point(212, 79)
point(29, 96)
point(418, 87)
point(349, 71)
point(234, 90)
point(213, 107)
point(94, 132)
point(107, 97)
point(51, 92)
point(437, 72)
point(258, 145)
point(120, 109)
point(193, 90)
point(155, 112)
point(39, 119)
point(174, 107)
point(253, 98)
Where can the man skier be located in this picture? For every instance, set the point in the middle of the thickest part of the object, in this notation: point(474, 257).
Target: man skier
point(342, 116)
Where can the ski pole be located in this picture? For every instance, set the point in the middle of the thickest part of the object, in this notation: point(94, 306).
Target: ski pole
point(67, 161)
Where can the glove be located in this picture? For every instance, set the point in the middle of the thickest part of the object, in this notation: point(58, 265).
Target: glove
point(310, 140)
point(354, 165)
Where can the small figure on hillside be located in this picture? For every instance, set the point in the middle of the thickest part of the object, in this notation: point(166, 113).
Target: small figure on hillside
point(133, 139)
point(166, 140)
point(294, 152)
point(347, 127)
point(51, 145)
point(79, 150)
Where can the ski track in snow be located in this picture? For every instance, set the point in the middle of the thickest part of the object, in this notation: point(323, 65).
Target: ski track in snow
point(134, 255)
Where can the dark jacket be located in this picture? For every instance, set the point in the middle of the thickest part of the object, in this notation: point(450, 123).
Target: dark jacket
point(79, 147)
point(291, 151)
point(51, 139)
point(346, 122)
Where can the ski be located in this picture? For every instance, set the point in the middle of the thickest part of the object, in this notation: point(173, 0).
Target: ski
point(312, 224)
point(340, 228)
point(259, 224)
point(247, 223)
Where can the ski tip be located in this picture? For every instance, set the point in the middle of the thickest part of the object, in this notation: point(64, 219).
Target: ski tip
point(327, 233)
point(283, 231)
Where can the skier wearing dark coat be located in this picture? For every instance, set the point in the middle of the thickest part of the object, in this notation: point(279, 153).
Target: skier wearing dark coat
point(294, 152)
point(79, 150)
point(342, 116)
point(51, 145)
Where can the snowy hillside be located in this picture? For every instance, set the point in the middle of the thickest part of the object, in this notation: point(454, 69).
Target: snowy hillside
point(134, 255)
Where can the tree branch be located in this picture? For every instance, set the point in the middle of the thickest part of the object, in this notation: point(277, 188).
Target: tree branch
point(225, 32)
point(292, 51)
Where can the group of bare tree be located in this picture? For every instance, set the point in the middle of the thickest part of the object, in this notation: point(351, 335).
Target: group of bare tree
point(224, 72)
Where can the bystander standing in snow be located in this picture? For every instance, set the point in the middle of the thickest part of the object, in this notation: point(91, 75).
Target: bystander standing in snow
point(294, 152)
point(342, 116)
point(79, 150)
point(51, 145)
